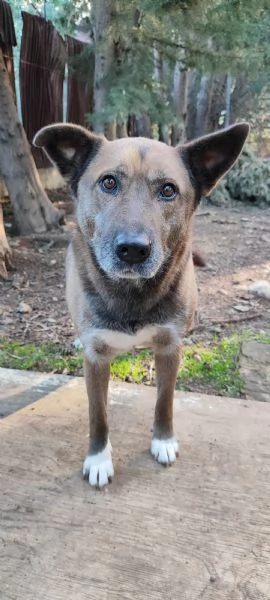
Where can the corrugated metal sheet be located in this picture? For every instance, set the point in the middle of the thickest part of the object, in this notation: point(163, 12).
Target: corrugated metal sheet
point(7, 40)
point(42, 67)
point(7, 31)
point(80, 90)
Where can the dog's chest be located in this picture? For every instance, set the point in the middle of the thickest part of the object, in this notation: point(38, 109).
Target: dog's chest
point(122, 342)
point(104, 344)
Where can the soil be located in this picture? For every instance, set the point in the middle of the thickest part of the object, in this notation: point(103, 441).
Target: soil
point(235, 242)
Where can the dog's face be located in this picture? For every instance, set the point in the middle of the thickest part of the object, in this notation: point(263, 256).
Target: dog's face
point(136, 196)
point(134, 204)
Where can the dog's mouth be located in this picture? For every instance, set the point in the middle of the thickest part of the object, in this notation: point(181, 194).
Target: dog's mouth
point(133, 272)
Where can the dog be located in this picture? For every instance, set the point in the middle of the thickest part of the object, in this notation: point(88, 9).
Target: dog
point(130, 273)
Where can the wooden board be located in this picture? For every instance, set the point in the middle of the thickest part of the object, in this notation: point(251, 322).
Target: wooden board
point(199, 530)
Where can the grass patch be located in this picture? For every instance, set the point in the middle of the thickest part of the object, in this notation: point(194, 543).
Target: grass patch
point(49, 357)
point(250, 336)
point(215, 367)
point(133, 367)
point(212, 369)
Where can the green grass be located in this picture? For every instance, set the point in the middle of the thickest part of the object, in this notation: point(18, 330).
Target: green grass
point(44, 357)
point(213, 368)
point(132, 366)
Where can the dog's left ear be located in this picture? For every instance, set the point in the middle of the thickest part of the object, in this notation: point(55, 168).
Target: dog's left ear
point(210, 157)
point(70, 147)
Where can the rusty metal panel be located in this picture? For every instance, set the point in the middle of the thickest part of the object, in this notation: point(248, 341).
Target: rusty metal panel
point(42, 68)
point(79, 86)
point(7, 31)
point(7, 40)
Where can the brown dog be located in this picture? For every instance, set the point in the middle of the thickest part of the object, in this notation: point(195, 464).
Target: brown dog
point(130, 274)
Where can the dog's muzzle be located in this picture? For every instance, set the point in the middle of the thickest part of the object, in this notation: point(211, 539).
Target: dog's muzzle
point(133, 249)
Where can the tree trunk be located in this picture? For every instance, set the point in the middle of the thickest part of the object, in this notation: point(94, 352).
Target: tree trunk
point(5, 251)
point(159, 75)
point(143, 126)
point(192, 92)
point(33, 211)
point(215, 103)
point(228, 101)
point(180, 92)
point(102, 13)
point(121, 129)
point(202, 105)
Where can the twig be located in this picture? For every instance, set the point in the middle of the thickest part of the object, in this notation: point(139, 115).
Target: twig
point(48, 237)
point(206, 213)
point(231, 320)
point(224, 222)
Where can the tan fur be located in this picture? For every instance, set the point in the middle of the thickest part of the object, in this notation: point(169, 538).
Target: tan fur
point(117, 305)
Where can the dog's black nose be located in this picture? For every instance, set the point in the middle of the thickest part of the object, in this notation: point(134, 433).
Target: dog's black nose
point(133, 249)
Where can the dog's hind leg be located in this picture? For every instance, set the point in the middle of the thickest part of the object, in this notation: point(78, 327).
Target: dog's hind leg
point(164, 446)
point(98, 466)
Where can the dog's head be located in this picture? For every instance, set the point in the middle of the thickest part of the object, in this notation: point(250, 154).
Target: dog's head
point(136, 196)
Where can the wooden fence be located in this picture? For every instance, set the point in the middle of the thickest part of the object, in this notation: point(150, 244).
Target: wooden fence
point(46, 58)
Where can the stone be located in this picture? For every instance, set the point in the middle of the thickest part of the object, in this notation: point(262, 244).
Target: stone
point(241, 307)
point(260, 288)
point(24, 308)
point(255, 370)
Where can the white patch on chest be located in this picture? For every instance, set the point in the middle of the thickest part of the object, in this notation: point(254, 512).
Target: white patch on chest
point(123, 342)
point(118, 342)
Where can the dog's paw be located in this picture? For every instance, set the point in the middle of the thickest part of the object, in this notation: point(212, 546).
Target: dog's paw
point(164, 451)
point(98, 468)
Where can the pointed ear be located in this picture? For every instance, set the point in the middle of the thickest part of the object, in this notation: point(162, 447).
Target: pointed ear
point(70, 147)
point(210, 157)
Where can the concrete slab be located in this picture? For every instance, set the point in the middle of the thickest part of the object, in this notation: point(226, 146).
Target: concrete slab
point(199, 530)
point(20, 388)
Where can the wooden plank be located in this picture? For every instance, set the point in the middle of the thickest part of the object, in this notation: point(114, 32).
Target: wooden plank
point(199, 530)
point(20, 388)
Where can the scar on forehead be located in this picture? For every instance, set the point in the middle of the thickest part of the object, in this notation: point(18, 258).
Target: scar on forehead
point(143, 151)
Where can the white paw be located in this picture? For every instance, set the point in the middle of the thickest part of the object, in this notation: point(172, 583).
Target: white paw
point(164, 451)
point(98, 468)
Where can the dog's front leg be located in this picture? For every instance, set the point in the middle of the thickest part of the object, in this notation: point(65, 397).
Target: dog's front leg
point(98, 466)
point(164, 446)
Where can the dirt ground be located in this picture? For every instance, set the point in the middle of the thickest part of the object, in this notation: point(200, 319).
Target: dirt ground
point(235, 242)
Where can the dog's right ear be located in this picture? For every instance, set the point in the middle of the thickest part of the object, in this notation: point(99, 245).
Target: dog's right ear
point(70, 147)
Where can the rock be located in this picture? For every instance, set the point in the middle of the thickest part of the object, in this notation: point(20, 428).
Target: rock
point(255, 370)
point(260, 288)
point(77, 344)
point(24, 308)
point(241, 307)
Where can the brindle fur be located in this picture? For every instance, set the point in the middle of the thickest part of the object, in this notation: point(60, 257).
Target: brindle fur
point(161, 296)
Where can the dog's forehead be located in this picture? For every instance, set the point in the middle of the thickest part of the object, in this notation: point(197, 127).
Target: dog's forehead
point(140, 156)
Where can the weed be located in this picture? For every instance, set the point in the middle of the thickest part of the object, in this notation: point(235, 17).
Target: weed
point(213, 369)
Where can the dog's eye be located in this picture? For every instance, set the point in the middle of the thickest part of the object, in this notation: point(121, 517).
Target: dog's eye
point(108, 183)
point(168, 192)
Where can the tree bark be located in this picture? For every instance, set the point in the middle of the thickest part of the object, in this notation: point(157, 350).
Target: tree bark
point(180, 92)
point(160, 76)
point(216, 94)
point(143, 126)
point(228, 100)
point(33, 211)
point(202, 105)
point(102, 12)
point(5, 251)
point(121, 129)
